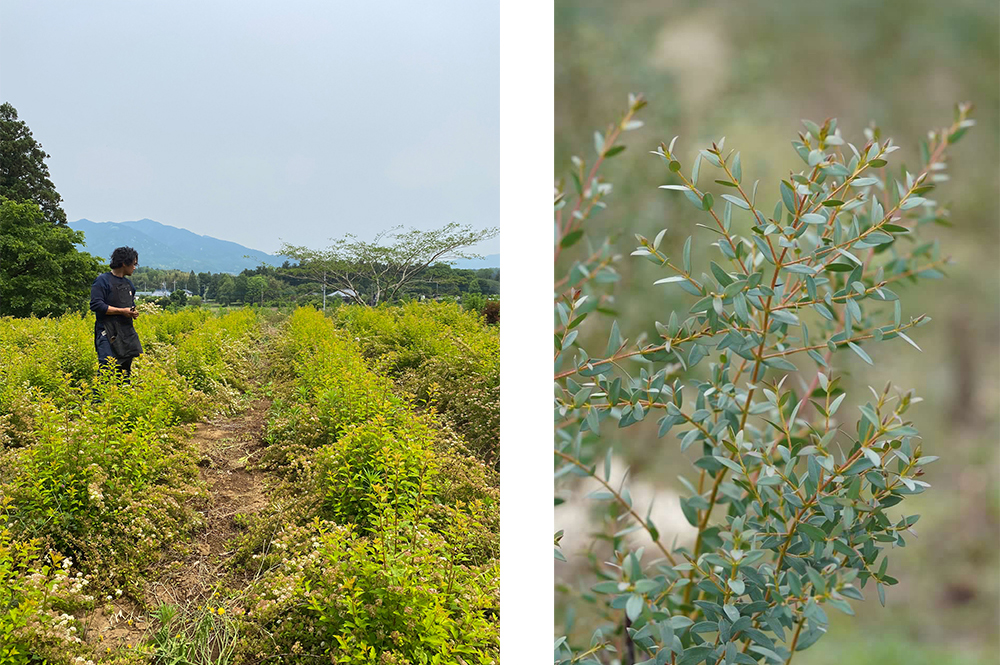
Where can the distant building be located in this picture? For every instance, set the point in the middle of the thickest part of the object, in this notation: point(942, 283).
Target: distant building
point(160, 293)
point(346, 294)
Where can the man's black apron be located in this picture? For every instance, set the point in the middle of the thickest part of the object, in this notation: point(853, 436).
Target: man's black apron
point(119, 338)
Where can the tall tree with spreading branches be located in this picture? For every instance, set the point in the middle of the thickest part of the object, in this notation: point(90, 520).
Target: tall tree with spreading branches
point(370, 272)
point(24, 176)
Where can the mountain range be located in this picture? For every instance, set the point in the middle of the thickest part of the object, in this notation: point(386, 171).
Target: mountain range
point(163, 246)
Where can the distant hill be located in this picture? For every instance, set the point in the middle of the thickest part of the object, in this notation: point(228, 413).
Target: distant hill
point(488, 261)
point(162, 246)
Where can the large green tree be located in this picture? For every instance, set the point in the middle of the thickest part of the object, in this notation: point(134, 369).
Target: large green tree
point(225, 290)
point(376, 271)
point(256, 287)
point(41, 270)
point(204, 282)
point(24, 176)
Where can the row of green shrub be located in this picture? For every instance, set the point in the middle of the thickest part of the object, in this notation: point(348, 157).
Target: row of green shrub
point(388, 551)
point(57, 356)
point(96, 474)
point(385, 550)
point(445, 356)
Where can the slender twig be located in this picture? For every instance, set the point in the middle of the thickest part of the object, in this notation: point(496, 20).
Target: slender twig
point(795, 640)
point(622, 501)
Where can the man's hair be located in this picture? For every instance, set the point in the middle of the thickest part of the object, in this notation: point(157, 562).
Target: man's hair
point(123, 256)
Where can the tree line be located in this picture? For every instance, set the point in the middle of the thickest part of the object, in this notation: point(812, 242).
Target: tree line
point(281, 285)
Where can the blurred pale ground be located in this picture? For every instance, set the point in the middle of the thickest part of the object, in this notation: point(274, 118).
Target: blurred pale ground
point(750, 71)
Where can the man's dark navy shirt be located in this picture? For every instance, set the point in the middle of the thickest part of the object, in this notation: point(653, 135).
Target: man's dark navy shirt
point(100, 294)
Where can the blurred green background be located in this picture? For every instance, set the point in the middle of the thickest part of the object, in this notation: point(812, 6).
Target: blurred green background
point(750, 71)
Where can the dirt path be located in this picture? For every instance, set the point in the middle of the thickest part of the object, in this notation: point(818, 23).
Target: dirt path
point(227, 446)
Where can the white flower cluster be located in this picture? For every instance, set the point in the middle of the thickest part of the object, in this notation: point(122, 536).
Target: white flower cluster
point(148, 307)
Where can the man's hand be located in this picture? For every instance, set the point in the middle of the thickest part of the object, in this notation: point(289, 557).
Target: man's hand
point(121, 311)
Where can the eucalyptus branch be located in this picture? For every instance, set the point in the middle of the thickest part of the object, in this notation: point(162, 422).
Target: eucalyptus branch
point(804, 480)
point(607, 148)
point(858, 338)
point(630, 354)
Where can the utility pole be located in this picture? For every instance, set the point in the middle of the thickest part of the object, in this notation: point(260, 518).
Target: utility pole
point(324, 291)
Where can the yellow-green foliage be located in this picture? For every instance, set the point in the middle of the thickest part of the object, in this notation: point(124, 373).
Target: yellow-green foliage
point(447, 357)
point(357, 419)
point(381, 453)
point(100, 470)
point(212, 351)
point(387, 550)
point(57, 356)
point(54, 355)
point(401, 598)
point(400, 560)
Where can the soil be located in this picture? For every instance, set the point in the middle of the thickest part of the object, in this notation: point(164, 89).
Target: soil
point(227, 447)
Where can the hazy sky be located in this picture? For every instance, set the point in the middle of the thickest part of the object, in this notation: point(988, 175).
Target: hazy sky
point(256, 121)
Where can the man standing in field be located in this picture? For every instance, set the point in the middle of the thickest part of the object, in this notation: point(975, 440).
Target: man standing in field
point(112, 299)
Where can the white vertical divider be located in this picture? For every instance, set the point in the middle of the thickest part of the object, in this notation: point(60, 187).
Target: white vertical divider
point(526, 157)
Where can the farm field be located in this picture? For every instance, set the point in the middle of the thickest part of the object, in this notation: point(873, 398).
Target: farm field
point(267, 487)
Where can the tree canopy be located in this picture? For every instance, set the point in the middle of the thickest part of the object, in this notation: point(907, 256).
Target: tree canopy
point(227, 286)
point(41, 271)
point(370, 272)
point(256, 287)
point(24, 176)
